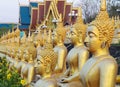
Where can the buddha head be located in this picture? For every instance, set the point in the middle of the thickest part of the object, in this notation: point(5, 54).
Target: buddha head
point(46, 61)
point(14, 52)
point(17, 32)
point(59, 33)
point(38, 40)
point(77, 32)
point(20, 52)
point(100, 31)
point(30, 53)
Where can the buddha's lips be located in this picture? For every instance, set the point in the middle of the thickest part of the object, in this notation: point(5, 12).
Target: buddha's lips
point(87, 44)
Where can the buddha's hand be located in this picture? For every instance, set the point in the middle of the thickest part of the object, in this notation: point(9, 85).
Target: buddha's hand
point(64, 80)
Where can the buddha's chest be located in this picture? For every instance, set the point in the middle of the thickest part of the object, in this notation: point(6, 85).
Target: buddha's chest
point(90, 72)
point(72, 56)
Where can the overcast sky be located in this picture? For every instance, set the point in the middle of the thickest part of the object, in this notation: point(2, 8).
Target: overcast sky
point(9, 11)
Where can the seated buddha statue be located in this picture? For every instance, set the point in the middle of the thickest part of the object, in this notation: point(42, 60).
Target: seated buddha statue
point(38, 41)
point(22, 62)
point(17, 37)
point(14, 54)
point(58, 37)
point(45, 65)
point(79, 54)
point(101, 69)
point(29, 54)
point(17, 58)
point(12, 40)
point(21, 49)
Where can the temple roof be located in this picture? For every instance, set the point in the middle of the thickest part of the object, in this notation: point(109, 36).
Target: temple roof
point(40, 12)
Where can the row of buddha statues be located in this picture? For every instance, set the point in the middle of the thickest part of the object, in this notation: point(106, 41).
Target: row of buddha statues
point(43, 60)
point(116, 38)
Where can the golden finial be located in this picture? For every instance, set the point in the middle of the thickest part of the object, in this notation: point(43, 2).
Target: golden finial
point(17, 31)
point(8, 34)
point(30, 37)
point(103, 5)
point(12, 34)
point(79, 18)
point(54, 2)
point(103, 15)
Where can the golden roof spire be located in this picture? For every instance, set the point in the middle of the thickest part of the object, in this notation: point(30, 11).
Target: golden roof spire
point(55, 1)
point(60, 24)
point(17, 32)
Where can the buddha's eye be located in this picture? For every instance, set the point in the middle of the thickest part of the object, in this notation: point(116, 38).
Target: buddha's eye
point(72, 33)
point(91, 35)
point(38, 62)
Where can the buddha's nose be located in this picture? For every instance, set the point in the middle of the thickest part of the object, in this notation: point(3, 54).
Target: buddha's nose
point(35, 65)
point(86, 42)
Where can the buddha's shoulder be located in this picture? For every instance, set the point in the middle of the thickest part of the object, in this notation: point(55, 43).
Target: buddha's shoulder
point(108, 62)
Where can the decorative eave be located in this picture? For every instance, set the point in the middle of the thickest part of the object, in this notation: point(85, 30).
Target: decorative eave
point(34, 14)
point(47, 5)
point(76, 11)
point(68, 9)
point(61, 7)
point(41, 10)
point(53, 9)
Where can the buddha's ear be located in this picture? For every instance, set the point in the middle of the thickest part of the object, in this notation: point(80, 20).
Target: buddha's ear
point(105, 37)
point(80, 35)
point(60, 37)
point(104, 42)
point(48, 68)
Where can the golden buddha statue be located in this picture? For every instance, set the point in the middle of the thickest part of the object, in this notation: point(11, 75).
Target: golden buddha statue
point(12, 40)
point(29, 54)
point(38, 41)
point(14, 53)
point(45, 65)
point(58, 37)
point(21, 64)
point(17, 58)
point(79, 54)
point(17, 36)
point(20, 53)
point(14, 48)
point(101, 69)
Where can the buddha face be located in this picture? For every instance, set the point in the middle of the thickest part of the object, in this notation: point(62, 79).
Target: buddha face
point(73, 36)
point(12, 52)
point(26, 55)
point(35, 43)
point(92, 41)
point(55, 37)
point(19, 54)
point(39, 66)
